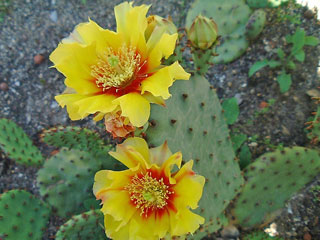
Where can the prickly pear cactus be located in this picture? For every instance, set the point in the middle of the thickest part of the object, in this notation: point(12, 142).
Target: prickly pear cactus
point(231, 17)
point(270, 181)
point(259, 235)
point(66, 179)
point(88, 225)
point(192, 122)
point(74, 138)
point(17, 145)
point(255, 24)
point(314, 127)
point(265, 3)
point(22, 216)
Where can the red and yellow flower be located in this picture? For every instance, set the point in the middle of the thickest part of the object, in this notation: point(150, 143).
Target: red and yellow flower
point(148, 201)
point(118, 71)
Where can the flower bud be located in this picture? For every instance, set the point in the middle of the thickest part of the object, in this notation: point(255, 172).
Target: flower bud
point(203, 32)
point(157, 22)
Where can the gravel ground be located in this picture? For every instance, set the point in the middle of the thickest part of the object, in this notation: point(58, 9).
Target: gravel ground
point(36, 27)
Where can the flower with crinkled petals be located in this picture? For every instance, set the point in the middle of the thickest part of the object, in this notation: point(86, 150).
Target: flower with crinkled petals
point(148, 200)
point(106, 70)
point(118, 126)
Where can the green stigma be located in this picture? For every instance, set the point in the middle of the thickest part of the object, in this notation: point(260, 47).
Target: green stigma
point(148, 196)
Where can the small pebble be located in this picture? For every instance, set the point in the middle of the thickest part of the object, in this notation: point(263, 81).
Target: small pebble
point(4, 86)
point(309, 14)
point(38, 59)
point(54, 16)
point(263, 104)
point(230, 232)
point(307, 236)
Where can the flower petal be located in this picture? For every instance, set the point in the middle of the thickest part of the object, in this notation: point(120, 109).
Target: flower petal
point(74, 61)
point(160, 45)
point(184, 221)
point(112, 228)
point(130, 156)
point(135, 107)
point(69, 100)
point(158, 84)
point(97, 103)
point(188, 186)
point(159, 155)
point(90, 32)
point(132, 23)
point(167, 166)
point(153, 99)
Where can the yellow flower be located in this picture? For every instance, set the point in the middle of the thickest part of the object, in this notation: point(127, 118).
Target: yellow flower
point(110, 71)
point(148, 201)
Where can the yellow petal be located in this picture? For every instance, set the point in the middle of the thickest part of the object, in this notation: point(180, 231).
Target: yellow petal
point(167, 166)
point(119, 206)
point(112, 229)
point(153, 99)
point(177, 72)
point(188, 186)
point(99, 117)
point(90, 32)
point(152, 227)
point(158, 84)
point(135, 107)
point(139, 144)
point(130, 157)
point(132, 23)
point(74, 61)
point(160, 46)
point(69, 100)
point(184, 221)
point(99, 103)
point(159, 155)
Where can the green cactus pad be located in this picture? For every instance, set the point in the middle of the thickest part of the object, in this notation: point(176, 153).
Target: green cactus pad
point(74, 138)
point(22, 216)
point(314, 127)
point(260, 235)
point(255, 24)
point(66, 179)
point(192, 122)
point(265, 3)
point(231, 17)
point(88, 225)
point(17, 145)
point(270, 181)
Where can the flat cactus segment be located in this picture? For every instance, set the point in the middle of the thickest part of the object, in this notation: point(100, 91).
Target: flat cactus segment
point(271, 180)
point(66, 179)
point(255, 24)
point(22, 216)
point(265, 3)
point(17, 145)
point(192, 122)
point(231, 17)
point(88, 225)
point(74, 138)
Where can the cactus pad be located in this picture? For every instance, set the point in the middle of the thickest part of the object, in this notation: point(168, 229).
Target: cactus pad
point(231, 17)
point(17, 145)
point(255, 24)
point(192, 122)
point(74, 138)
point(88, 225)
point(265, 3)
point(66, 179)
point(22, 216)
point(271, 180)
